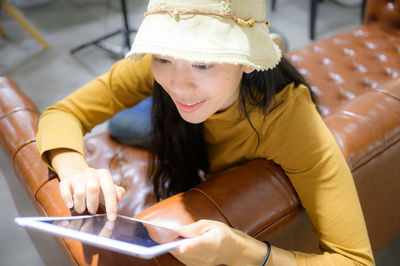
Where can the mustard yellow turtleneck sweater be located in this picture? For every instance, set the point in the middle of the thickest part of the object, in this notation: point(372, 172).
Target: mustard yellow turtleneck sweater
point(292, 134)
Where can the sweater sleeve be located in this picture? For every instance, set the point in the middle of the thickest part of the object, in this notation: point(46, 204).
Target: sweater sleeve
point(298, 140)
point(64, 124)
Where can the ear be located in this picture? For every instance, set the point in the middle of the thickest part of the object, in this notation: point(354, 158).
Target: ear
point(247, 69)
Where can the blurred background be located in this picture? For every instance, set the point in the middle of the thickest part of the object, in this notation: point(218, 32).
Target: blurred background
point(48, 75)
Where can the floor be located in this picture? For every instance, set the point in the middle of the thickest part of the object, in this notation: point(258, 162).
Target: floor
point(47, 76)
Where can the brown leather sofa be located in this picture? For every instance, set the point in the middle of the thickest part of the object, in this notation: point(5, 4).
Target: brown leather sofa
point(356, 77)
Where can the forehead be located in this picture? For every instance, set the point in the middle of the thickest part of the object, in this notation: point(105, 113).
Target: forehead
point(183, 61)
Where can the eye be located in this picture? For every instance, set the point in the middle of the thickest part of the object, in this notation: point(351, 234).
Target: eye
point(202, 67)
point(161, 60)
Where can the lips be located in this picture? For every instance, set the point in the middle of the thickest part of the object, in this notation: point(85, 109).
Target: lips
point(189, 107)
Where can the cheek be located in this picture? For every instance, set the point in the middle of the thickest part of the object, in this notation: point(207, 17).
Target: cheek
point(231, 85)
point(236, 82)
point(160, 75)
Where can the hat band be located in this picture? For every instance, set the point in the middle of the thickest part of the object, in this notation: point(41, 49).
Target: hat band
point(176, 13)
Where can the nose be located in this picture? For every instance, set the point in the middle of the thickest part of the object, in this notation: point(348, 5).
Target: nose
point(182, 80)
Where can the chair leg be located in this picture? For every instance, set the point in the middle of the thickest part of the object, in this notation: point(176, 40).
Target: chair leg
point(126, 31)
point(313, 16)
point(273, 5)
point(24, 23)
point(364, 2)
point(2, 32)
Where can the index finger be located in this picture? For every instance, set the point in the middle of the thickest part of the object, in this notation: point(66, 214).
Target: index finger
point(107, 229)
point(110, 195)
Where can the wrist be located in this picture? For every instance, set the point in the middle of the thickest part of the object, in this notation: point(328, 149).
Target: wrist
point(267, 254)
point(251, 251)
point(67, 162)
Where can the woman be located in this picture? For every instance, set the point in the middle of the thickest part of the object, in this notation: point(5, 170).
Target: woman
point(222, 95)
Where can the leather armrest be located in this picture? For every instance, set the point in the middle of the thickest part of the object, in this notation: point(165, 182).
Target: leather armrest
point(367, 125)
point(250, 197)
point(256, 198)
point(18, 124)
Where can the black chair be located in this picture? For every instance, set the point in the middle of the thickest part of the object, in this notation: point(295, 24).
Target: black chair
point(125, 30)
point(313, 14)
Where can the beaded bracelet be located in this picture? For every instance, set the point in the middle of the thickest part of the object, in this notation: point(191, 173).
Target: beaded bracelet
point(266, 255)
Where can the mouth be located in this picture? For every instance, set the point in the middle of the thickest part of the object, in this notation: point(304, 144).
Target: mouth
point(189, 107)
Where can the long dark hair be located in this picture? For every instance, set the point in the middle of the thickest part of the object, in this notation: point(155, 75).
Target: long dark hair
point(178, 149)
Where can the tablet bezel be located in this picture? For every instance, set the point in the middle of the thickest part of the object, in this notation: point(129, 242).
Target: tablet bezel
point(41, 223)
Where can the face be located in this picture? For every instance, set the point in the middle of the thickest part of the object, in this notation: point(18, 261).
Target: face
point(198, 90)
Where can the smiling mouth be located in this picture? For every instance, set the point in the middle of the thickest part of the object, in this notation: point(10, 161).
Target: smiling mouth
point(189, 104)
point(189, 107)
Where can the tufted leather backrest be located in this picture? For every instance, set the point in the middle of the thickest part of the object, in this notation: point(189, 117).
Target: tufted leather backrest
point(384, 14)
point(356, 76)
point(348, 65)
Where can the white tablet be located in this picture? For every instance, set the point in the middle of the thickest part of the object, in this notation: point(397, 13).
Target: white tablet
point(126, 235)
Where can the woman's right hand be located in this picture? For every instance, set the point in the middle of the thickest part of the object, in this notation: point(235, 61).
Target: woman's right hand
point(83, 187)
point(87, 188)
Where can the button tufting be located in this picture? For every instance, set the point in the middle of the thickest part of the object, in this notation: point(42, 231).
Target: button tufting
point(304, 71)
point(360, 67)
point(382, 57)
point(316, 90)
point(296, 58)
point(317, 49)
point(370, 45)
point(349, 52)
point(346, 95)
point(393, 73)
point(89, 149)
point(336, 77)
point(359, 33)
point(326, 61)
point(118, 159)
point(324, 110)
point(338, 41)
point(373, 84)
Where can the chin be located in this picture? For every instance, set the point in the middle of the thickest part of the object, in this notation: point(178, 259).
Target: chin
point(193, 119)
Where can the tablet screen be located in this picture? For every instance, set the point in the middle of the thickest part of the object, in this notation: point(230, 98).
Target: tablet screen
point(126, 235)
point(123, 229)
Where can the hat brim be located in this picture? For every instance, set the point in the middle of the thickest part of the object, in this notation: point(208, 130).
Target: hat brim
point(206, 39)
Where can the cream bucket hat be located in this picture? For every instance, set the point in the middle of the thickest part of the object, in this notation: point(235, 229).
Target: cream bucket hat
point(207, 31)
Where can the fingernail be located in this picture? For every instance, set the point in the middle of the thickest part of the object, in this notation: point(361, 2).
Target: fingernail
point(110, 226)
point(112, 217)
point(70, 204)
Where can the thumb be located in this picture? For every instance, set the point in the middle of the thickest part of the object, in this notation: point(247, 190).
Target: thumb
point(194, 229)
point(120, 191)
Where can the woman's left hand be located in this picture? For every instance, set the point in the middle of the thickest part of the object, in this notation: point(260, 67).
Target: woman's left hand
point(215, 243)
